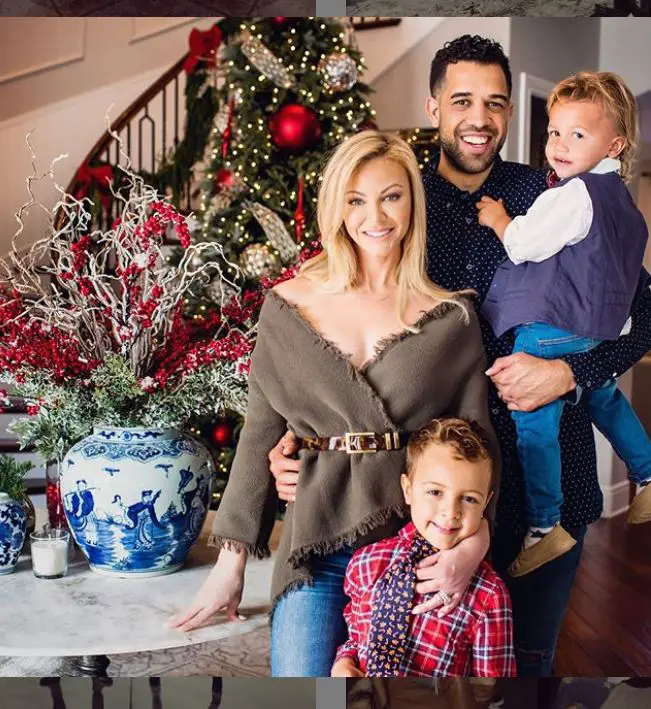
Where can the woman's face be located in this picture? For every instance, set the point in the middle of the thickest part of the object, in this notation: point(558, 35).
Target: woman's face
point(378, 207)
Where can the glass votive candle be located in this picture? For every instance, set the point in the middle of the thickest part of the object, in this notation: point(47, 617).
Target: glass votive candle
point(50, 553)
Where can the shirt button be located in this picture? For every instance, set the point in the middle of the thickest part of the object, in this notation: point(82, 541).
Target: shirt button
point(469, 266)
point(468, 220)
point(495, 411)
point(589, 384)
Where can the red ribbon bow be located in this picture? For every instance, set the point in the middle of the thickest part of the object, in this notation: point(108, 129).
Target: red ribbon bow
point(203, 48)
point(100, 177)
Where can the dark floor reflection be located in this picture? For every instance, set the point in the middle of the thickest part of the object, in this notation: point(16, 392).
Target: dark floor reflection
point(98, 686)
point(157, 693)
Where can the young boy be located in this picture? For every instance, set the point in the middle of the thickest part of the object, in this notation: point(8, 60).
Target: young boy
point(448, 486)
point(573, 270)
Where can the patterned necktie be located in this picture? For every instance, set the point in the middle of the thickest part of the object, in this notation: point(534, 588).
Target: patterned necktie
point(392, 611)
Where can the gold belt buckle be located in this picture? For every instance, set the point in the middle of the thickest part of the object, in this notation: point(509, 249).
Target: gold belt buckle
point(355, 441)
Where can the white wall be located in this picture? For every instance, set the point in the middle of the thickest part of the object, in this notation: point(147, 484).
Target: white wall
point(47, 59)
point(401, 91)
point(625, 48)
point(384, 47)
point(70, 126)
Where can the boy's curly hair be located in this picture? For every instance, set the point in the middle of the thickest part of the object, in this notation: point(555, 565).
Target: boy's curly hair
point(615, 98)
point(468, 440)
point(468, 48)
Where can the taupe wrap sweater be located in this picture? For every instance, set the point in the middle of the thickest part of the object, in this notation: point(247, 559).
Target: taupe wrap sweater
point(301, 381)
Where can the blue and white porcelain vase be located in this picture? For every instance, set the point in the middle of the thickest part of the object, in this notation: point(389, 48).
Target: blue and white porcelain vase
point(136, 498)
point(13, 523)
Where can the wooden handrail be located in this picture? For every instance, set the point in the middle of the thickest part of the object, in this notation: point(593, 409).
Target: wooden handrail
point(374, 23)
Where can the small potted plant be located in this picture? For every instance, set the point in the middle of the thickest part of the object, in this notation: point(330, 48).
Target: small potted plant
point(13, 516)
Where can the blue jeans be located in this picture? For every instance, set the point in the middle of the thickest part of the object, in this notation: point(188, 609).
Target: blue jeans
point(539, 600)
point(308, 623)
point(538, 431)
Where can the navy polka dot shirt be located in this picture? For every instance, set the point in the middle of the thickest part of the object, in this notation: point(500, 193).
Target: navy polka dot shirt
point(463, 254)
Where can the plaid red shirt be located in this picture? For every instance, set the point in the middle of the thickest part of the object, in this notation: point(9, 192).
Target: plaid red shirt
point(475, 639)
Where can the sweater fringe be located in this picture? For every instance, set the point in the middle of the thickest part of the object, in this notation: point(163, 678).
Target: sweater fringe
point(258, 551)
point(437, 312)
point(368, 524)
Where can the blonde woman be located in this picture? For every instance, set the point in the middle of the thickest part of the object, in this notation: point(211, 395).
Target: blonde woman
point(357, 351)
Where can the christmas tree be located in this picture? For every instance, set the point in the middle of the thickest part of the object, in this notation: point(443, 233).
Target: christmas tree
point(290, 92)
point(287, 92)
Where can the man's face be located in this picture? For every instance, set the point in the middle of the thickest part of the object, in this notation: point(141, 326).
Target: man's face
point(471, 110)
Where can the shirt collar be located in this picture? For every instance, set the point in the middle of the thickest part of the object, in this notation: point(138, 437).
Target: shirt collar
point(607, 165)
point(408, 532)
point(446, 187)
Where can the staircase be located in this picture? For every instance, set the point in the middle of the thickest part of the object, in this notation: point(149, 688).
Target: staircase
point(152, 126)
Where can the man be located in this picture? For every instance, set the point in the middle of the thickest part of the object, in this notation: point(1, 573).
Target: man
point(470, 106)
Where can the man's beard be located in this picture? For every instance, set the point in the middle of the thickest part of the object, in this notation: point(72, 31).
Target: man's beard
point(468, 163)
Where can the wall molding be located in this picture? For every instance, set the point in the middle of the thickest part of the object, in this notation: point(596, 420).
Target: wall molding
point(75, 43)
point(147, 27)
point(616, 499)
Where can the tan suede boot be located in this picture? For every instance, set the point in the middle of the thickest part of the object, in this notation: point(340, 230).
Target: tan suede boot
point(553, 545)
point(640, 509)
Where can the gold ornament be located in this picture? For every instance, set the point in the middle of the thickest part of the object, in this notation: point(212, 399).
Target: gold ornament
point(258, 261)
point(339, 72)
point(266, 62)
point(221, 201)
point(274, 230)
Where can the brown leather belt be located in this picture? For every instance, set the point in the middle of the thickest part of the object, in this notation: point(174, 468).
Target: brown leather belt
point(353, 443)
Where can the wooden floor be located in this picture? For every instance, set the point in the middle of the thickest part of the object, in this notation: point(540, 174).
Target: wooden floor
point(607, 629)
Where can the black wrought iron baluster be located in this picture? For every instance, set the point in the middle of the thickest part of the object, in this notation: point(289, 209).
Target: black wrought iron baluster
point(164, 121)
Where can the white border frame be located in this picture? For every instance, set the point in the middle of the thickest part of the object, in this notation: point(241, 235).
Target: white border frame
point(529, 86)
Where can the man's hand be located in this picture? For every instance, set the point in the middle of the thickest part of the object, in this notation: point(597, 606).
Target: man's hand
point(492, 214)
point(346, 667)
point(526, 383)
point(284, 468)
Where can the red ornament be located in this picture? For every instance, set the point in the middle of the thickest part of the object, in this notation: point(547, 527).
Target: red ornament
point(226, 138)
point(299, 214)
point(279, 21)
point(222, 433)
point(225, 179)
point(294, 127)
point(203, 48)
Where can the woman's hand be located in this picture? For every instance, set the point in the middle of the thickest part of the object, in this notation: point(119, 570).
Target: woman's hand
point(221, 591)
point(284, 468)
point(450, 571)
point(346, 667)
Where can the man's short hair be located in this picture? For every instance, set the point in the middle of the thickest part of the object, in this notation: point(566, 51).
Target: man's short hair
point(468, 48)
point(467, 439)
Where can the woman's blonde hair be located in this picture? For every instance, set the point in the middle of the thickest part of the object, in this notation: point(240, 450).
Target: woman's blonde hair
point(616, 100)
point(336, 268)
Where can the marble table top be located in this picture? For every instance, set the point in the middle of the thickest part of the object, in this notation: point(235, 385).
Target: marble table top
point(86, 613)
